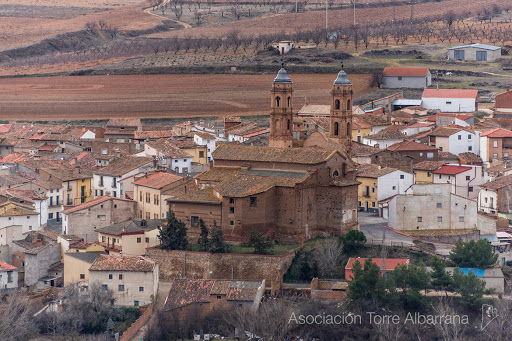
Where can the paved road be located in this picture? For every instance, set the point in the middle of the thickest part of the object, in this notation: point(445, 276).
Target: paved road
point(374, 227)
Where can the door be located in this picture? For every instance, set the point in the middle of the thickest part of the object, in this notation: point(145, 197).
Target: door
point(481, 56)
point(82, 194)
point(366, 206)
point(458, 54)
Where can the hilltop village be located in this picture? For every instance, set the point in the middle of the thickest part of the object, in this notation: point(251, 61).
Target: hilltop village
point(92, 204)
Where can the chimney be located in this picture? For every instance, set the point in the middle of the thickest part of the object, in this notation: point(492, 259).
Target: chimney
point(508, 88)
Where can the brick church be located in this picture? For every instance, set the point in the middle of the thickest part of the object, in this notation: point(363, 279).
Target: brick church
point(290, 190)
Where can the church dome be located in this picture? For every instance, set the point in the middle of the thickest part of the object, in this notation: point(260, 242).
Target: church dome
point(282, 77)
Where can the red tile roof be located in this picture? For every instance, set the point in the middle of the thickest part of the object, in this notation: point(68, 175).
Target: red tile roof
point(451, 170)
point(409, 146)
point(428, 165)
point(158, 180)
point(390, 263)
point(122, 263)
point(188, 291)
point(5, 267)
point(358, 124)
point(450, 93)
point(504, 181)
point(420, 125)
point(406, 71)
point(462, 117)
point(90, 204)
point(497, 133)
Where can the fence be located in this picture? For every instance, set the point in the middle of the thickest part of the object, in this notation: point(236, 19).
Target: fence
point(134, 328)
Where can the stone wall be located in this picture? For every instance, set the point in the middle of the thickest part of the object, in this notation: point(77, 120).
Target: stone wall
point(189, 264)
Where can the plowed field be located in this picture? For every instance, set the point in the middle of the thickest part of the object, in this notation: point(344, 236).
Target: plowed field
point(155, 96)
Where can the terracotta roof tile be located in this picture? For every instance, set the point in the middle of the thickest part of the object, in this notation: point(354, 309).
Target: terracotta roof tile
point(87, 204)
point(444, 131)
point(387, 135)
point(154, 134)
point(124, 165)
point(188, 291)
point(122, 263)
point(268, 154)
point(390, 263)
point(450, 93)
point(169, 148)
point(204, 135)
point(470, 157)
point(447, 156)
point(9, 209)
point(372, 171)
point(6, 267)
point(405, 71)
point(451, 170)
point(503, 181)
point(428, 165)
point(497, 133)
point(410, 146)
point(158, 180)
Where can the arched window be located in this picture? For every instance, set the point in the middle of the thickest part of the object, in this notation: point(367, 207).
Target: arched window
point(288, 125)
point(278, 100)
point(349, 131)
point(348, 105)
point(336, 129)
point(335, 174)
point(289, 101)
point(337, 104)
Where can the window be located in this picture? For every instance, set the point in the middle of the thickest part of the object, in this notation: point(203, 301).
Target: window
point(278, 101)
point(96, 192)
point(231, 210)
point(461, 219)
point(155, 216)
point(201, 153)
point(337, 104)
point(394, 187)
point(114, 182)
point(156, 200)
point(399, 78)
point(148, 198)
point(402, 176)
point(429, 174)
point(336, 129)
point(231, 201)
point(419, 219)
point(140, 196)
point(439, 219)
point(56, 200)
point(470, 148)
point(104, 151)
point(440, 176)
point(135, 303)
point(82, 276)
point(448, 102)
point(9, 276)
point(104, 286)
point(194, 221)
point(373, 203)
point(231, 223)
point(430, 155)
point(120, 276)
point(439, 205)
point(470, 189)
point(253, 201)
point(373, 189)
point(114, 194)
point(468, 178)
point(139, 240)
point(69, 199)
point(218, 297)
point(141, 288)
point(120, 287)
point(50, 215)
point(459, 137)
point(110, 276)
point(469, 136)
point(51, 201)
point(495, 144)
point(495, 155)
point(101, 192)
point(147, 240)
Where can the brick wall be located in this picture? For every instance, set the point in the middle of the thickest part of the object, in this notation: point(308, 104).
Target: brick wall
point(206, 265)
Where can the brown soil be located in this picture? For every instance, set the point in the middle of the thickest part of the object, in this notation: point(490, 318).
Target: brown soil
point(155, 96)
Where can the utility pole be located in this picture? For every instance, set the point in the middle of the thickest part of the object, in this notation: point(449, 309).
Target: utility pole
point(354, 2)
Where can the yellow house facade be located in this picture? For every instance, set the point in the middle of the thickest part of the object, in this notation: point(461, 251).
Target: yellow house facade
point(199, 153)
point(367, 194)
point(131, 237)
point(149, 192)
point(86, 247)
point(360, 129)
point(76, 266)
point(423, 171)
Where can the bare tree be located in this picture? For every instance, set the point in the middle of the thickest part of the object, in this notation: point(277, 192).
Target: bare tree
point(328, 256)
point(448, 331)
point(15, 321)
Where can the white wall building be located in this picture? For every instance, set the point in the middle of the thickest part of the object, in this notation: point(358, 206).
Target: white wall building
point(206, 139)
point(8, 276)
point(450, 100)
point(106, 181)
point(168, 155)
point(465, 180)
point(431, 207)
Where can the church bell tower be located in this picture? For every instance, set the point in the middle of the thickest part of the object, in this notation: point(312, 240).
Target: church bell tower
point(281, 114)
point(340, 125)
